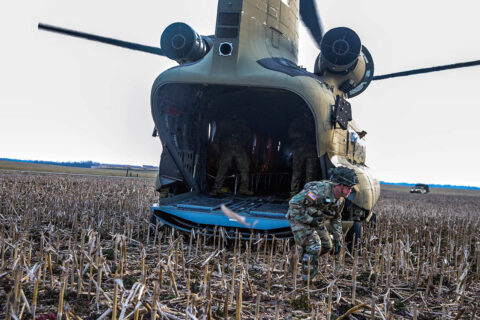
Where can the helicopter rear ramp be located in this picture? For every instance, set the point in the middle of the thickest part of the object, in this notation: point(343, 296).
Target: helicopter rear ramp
point(195, 211)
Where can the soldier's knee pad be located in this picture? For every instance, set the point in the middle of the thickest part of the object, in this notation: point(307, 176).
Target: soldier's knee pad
point(313, 248)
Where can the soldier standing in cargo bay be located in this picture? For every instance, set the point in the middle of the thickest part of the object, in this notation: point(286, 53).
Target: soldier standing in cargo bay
point(232, 138)
point(319, 202)
point(302, 135)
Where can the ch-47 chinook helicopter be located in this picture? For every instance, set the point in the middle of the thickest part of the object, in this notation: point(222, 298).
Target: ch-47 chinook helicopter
point(249, 66)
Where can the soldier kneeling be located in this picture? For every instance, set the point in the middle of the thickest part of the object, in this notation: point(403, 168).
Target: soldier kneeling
point(319, 202)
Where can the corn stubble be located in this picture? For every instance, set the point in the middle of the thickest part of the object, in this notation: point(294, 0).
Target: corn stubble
point(83, 248)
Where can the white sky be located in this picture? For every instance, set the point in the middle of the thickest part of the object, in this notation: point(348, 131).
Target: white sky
point(68, 99)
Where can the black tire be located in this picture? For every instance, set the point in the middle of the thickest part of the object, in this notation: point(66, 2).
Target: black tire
point(153, 220)
point(372, 223)
point(354, 234)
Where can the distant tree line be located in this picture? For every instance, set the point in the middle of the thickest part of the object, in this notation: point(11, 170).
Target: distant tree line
point(78, 164)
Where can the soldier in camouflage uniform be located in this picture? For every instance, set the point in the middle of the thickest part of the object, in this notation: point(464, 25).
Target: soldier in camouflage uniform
point(302, 135)
point(319, 202)
point(233, 136)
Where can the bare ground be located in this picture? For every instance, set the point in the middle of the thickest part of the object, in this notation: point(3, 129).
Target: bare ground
point(78, 247)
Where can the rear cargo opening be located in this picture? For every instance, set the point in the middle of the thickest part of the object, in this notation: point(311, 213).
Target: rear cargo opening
point(187, 118)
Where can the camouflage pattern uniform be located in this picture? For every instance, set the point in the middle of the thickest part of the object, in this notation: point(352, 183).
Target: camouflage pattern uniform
point(302, 135)
point(233, 136)
point(313, 239)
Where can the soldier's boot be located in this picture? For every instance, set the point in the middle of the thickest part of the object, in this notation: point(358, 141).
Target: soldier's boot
point(336, 247)
point(217, 187)
point(214, 192)
point(245, 192)
point(217, 190)
point(313, 267)
point(244, 185)
point(219, 179)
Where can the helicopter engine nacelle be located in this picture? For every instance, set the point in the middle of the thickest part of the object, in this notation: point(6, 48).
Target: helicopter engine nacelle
point(343, 56)
point(181, 43)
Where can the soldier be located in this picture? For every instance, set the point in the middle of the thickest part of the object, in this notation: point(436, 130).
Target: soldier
point(233, 136)
point(308, 211)
point(302, 135)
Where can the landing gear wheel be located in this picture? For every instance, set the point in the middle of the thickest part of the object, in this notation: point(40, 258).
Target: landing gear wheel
point(372, 223)
point(153, 221)
point(354, 234)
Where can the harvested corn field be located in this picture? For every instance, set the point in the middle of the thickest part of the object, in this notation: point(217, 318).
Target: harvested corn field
point(75, 247)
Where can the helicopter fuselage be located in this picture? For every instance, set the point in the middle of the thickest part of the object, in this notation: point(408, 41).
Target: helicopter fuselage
point(261, 57)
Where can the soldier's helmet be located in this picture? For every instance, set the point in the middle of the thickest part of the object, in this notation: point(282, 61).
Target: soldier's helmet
point(343, 175)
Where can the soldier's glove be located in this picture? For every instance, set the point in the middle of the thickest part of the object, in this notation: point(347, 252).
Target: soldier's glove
point(336, 247)
point(316, 222)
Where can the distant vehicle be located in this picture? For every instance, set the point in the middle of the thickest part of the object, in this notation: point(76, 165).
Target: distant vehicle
point(420, 188)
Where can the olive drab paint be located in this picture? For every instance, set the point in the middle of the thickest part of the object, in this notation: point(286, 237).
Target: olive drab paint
point(255, 30)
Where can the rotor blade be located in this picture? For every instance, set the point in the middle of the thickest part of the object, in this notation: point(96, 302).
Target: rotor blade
point(311, 19)
point(427, 70)
point(114, 42)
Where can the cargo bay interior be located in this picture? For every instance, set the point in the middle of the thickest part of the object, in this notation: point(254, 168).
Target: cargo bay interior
point(189, 116)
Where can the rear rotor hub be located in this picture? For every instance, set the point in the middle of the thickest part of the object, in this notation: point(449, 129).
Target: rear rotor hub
point(340, 47)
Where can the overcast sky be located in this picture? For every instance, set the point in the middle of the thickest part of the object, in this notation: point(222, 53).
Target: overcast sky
point(67, 99)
